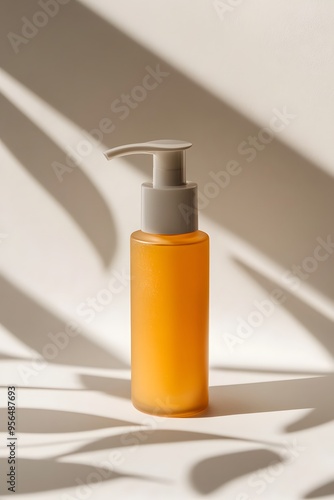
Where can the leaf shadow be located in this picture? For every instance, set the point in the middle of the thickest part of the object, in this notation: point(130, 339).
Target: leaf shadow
point(36, 420)
point(34, 323)
point(210, 474)
point(278, 371)
point(49, 475)
point(72, 195)
point(148, 436)
point(279, 190)
point(324, 490)
point(112, 386)
point(321, 327)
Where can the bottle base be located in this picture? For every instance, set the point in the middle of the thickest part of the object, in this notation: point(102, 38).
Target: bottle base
point(171, 413)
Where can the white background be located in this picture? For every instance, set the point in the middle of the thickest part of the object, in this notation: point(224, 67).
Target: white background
point(230, 67)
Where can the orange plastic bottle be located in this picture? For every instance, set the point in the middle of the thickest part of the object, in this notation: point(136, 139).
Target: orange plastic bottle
point(169, 322)
point(169, 290)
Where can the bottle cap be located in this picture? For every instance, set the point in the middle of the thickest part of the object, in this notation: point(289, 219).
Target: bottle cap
point(169, 203)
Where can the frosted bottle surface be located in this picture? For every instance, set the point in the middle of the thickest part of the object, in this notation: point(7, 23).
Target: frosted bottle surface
point(169, 322)
point(169, 287)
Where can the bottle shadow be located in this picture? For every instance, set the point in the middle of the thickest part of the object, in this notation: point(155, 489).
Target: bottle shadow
point(307, 393)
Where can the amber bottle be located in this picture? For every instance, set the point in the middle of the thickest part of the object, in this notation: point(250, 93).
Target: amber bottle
point(169, 263)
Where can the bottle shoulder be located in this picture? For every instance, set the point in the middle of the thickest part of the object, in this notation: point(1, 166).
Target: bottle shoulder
point(170, 239)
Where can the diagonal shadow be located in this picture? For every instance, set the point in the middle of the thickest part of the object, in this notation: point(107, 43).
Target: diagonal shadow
point(9, 357)
point(267, 205)
point(277, 371)
point(155, 436)
point(33, 324)
point(212, 473)
point(109, 385)
point(47, 475)
point(305, 393)
point(325, 490)
point(78, 195)
point(43, 388)
point(317, 324)
point(144, 436)
point(33, 420)
point(308, 393)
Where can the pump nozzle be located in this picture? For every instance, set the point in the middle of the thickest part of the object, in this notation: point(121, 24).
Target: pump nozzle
point(169, 204)
point(168, 159)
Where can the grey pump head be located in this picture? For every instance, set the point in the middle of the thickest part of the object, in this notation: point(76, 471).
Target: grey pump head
point(169, 203)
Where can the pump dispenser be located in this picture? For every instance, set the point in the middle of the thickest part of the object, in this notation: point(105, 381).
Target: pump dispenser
point(169, 288)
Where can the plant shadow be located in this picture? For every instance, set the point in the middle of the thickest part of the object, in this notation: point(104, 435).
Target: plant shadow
point(112, 386)
point(32, 325)
point(212, 473)
point(49, 475)
point(36, 420)
point(326, 490)
point(150, 436)
point(318, 325)
point(36, 152)
point(267, 205)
